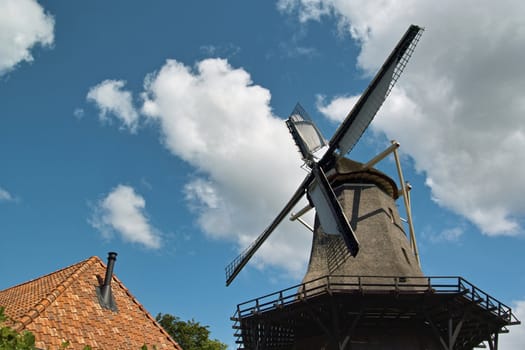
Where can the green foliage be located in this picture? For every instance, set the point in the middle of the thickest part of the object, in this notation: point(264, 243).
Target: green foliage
point(190, 335)
point(12, 340)
point(25, 340)
point(145, 347)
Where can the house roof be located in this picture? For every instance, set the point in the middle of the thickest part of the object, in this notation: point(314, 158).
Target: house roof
point(63, 306)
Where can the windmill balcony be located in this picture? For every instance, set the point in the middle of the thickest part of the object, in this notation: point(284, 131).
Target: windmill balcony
point(430, 306)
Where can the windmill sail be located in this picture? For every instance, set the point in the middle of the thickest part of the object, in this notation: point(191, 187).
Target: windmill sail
point(356, 122)
point(305, 133)
point(309, 139)
point(233, 269)
point(329, 211)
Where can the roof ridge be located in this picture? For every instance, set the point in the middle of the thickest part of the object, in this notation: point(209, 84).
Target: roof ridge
point(39, 307)
point(44, 276)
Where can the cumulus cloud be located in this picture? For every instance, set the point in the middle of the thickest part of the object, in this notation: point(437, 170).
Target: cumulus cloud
point(338, 108)
point(458, 110)
point(307, 9)
point(110, 98)
point(226, 50)
point(122, 212)
point(448, 235)
point(5, 196)
point(78, 113)
point(516, 338)
point(216, 119)
point(23, 24)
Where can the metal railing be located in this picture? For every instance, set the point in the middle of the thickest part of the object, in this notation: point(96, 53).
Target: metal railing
point(375, 284)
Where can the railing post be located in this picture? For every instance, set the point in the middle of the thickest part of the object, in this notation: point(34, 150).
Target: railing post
point(396, 284)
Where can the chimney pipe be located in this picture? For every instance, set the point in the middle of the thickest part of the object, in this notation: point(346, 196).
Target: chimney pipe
point(112, 257)
point(106, 297)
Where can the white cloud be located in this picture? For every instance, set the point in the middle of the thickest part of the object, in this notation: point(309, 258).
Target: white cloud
point(516, 338)
point(201, 192)
point(78, 113)
point(217, 120)
point(110, 97)
point(225, 50)
point(458, 110)
point(308, 9)
point(292, 49)
point(338, 108)
point(23, 24)
point(5, 196)
point(122, 211)
point(453, 234)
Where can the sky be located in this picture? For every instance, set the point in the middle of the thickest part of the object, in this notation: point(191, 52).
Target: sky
point(156, 130)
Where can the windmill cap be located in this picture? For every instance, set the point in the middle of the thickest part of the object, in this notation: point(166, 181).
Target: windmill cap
point(350, 171)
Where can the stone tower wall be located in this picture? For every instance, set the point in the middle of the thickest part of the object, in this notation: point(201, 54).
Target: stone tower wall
point(384, 247)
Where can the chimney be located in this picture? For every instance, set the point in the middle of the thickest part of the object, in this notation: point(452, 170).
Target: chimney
point(105, 296)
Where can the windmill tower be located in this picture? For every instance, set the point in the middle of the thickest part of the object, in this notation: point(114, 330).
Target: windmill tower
point(364, 288)
point(368, 199)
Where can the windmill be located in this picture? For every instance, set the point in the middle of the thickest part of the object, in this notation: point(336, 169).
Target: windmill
point(309, 139)
point(379, 298)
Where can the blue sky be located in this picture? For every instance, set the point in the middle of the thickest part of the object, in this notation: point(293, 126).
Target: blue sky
point(156, 130)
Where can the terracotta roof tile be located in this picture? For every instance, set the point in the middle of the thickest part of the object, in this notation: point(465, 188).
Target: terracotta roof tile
point(63, 306)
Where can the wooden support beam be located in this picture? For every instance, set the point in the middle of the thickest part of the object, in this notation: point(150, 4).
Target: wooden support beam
point(493, 341)
point(316, 318)
point(436, 332)
point(406, 200)
point(454, 332)
point(351, 329)
point(335, 324)
point(295, 216)
point(381, 155)
point(491, 344)
point(305, 224)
